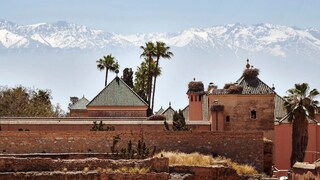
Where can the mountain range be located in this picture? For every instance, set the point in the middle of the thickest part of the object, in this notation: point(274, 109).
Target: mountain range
point(62, 56)
point(277, 40)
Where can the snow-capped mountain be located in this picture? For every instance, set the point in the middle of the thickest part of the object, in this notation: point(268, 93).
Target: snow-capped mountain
point(276, 40)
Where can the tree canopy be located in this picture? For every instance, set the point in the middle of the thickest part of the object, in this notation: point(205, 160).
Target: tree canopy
point(24, 102)
point(109, 63)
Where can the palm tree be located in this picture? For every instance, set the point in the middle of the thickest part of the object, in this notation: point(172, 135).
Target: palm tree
point(301, 107)
point(109, 64)
point(141, 79)
point(161, 51)
point(148, 53)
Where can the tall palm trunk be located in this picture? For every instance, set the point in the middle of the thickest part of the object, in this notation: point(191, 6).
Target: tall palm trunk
point(149, 82)
point(154, 84)
point(299, 139)
point(106, 80)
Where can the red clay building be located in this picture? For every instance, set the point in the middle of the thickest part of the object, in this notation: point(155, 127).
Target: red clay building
point(246, 105)
point(117, 99)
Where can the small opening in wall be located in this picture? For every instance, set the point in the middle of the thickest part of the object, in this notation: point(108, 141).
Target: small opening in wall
point(191, 98)
point(199, 97)
point(195, 98)
point(253, 114)
point(228, 119)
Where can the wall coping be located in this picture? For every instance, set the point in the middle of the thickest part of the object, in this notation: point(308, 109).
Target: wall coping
point(90, 121)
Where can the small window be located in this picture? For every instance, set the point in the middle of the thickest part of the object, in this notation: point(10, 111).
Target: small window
point(195, 98)
point(228, 119)
point(191, 98)
point(199, 97)
point(253, 114)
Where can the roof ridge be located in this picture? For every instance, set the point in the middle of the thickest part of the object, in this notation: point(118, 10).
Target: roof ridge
point(125, 84)
point(100, 92)
point(133, 91)
point(167, 109)
point(79, 101)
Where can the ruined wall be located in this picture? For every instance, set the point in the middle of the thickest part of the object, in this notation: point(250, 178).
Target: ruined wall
point(242, 147)
point(82, 175)
point(202, 173)
point(13, 164)
point(305, 171)
point(239, 107)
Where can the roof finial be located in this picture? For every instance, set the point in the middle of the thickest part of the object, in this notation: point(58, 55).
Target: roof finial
point(273, 88)
point(248, 65)
point(194, 79)
point(117, 71)
point(169, 103)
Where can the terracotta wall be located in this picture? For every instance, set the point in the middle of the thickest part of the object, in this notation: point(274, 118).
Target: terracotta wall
point(242, 147)
point(78, 113)
point(195, 107)
point(86, 127)
point(282, 145)
point(238, 108)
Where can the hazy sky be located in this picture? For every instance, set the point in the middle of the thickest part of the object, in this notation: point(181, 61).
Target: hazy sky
point(139, 16)
point(127, 16)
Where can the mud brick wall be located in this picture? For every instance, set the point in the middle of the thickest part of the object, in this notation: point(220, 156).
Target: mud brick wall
point(82, 175)
point(12, 164)
point(242, 147)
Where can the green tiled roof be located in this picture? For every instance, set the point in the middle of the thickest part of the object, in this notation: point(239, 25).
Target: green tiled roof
point(279, 111)
point(254, 86)
point(80, 104)
point(117, 93)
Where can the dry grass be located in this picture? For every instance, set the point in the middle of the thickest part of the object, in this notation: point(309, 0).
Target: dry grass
point(193, 159)
point(196, 159)
point(243, 169)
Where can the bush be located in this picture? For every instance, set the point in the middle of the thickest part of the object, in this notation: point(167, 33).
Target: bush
point(179, 122)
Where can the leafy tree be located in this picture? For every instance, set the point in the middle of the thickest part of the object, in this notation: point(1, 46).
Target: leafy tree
point(127, 77)
point(301, 107)
point(23, 102)
point(161, 51)
point(107, 62)
point(179, 122)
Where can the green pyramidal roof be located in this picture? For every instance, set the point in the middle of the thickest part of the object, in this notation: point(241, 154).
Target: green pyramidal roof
point(117, 93)
point(80, 104)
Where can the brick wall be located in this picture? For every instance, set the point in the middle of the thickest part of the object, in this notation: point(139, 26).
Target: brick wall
point(242, 147)
point(239, 107)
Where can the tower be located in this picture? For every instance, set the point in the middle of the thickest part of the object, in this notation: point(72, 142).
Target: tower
point(196, 98)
